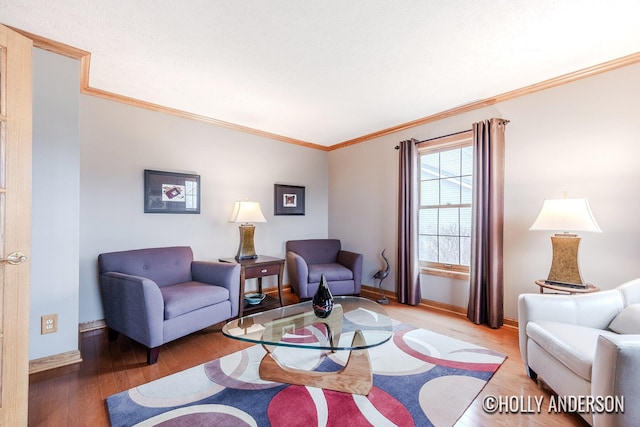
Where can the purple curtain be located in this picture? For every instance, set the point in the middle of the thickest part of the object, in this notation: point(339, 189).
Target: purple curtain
point(486, 293)
point(408, 264)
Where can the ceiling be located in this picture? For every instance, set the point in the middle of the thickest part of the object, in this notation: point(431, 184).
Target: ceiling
point(328, 71)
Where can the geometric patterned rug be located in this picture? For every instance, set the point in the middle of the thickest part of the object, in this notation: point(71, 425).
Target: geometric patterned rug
point(420, 378)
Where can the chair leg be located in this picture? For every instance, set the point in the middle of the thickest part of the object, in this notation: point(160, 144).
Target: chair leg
point(531, 373)
point(112, 334)
point(152, 355)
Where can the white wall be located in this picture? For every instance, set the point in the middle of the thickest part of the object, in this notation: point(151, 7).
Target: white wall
point(118, 142)
point(56, 183)
point(582, 137)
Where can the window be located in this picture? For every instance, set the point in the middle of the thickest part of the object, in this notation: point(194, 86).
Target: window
point(444, 217)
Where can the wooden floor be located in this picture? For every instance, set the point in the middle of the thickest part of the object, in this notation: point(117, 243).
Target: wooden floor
point(75, 395)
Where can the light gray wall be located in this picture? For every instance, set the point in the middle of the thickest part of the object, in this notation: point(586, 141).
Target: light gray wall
point(582, 137)
point(119, 141)
point(55, 210)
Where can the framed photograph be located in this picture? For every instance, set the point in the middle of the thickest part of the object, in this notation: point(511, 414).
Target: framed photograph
point(288, 200)
point(169, 192)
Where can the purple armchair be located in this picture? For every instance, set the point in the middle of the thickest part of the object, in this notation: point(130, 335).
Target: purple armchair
point(307, 260)
point(157, 295)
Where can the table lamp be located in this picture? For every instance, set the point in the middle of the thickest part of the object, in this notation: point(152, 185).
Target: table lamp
point(565, 215)
point(246, 213)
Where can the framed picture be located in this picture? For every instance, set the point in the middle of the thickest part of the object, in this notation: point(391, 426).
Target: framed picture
point(169, 192)
point(288, 200)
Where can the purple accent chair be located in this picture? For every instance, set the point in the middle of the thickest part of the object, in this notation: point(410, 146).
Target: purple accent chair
point(307, 260)
point(157, 295)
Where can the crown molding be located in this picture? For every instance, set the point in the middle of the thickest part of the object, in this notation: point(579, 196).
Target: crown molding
point(527, 90)
point(85, 64)
point(184, 114)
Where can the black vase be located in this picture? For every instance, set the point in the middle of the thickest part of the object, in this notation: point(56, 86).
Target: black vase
point(322, 300)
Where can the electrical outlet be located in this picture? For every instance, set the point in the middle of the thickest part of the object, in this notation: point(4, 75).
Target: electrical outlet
point(49, 324)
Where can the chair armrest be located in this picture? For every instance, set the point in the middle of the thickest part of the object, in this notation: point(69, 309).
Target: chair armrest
point(595, 310)
point(134, 307)
point(353, 261)
point(615, 371)
point(298, 272)
point(224, 274)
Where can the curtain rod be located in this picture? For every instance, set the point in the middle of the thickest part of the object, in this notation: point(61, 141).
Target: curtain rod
point(397, 147)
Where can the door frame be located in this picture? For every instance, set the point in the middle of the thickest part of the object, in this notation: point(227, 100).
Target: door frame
point(15, 190)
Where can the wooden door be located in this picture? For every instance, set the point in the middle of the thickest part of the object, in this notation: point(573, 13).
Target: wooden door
point(15, 224)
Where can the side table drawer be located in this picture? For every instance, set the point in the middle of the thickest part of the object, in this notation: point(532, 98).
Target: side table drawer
point(261, 270)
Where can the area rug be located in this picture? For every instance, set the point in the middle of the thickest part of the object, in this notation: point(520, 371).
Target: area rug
point(421, 378)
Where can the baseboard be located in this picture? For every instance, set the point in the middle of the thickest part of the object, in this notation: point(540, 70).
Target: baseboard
point(512, 323)
point(374, 293)
point(71, 357)
point(440, 306)
point(55, 361)
point(96, 325)
point(366, 291)
point(274, 290)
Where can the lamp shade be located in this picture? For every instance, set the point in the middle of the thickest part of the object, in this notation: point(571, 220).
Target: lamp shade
point(566, 215)
point(247, 212)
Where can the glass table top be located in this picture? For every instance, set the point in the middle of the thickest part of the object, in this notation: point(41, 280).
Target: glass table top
point(297, 326)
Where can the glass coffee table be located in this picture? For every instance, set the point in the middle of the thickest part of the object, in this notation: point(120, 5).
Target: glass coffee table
point(355, 325)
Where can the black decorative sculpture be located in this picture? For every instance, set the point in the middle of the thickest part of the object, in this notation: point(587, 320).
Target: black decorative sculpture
point(322, 301)
point(381, 275)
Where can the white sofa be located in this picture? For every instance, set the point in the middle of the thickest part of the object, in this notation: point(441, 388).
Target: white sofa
point(568, 341)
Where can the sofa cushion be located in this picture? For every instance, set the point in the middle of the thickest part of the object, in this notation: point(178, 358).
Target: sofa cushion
point(189, 296)
point(627, 321)
point(333, 272)
point(573, 345)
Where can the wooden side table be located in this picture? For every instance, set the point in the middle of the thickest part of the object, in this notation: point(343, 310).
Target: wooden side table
point(544, 285)
point(257, 268)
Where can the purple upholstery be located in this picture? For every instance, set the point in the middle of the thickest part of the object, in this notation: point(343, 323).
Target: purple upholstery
point(316, 251)
point(332, 272)
point(307, 260)
point(165, 266)
point(156, 295)
point(186, 297)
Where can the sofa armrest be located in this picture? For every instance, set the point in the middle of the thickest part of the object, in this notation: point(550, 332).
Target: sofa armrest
point(615, 372)
point(134, 307)
point(595, 310)
point(223, 274)
point(353, 261)
point(298, 272)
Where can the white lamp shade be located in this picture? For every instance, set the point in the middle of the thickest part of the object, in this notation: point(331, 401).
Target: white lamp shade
point(566, 215)
point(247, 212)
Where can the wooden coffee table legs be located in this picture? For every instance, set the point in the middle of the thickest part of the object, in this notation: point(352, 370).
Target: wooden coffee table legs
point(356, 377)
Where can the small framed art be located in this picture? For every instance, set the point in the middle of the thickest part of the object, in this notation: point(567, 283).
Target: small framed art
point(169, 192)
point(288, 200)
